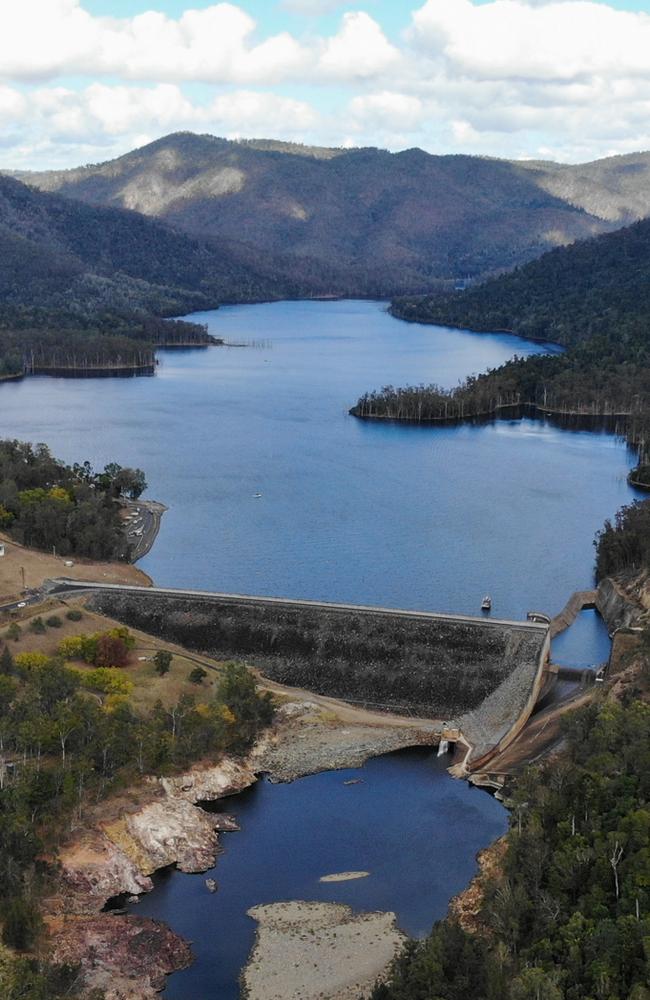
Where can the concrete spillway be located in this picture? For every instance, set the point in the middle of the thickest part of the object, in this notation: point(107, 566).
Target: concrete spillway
point(483, 673)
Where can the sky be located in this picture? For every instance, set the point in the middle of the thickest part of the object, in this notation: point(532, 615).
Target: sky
point(83, 81)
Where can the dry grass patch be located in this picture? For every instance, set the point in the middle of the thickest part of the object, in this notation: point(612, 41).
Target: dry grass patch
point(148, 686)
point(40, 566)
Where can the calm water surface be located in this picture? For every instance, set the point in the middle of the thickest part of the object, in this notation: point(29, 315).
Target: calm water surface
point(402, 516)
point(409, 824)
point(372, 513)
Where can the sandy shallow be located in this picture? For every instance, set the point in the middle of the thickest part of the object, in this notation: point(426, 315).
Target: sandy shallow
point(343, 876)
point(307, 951)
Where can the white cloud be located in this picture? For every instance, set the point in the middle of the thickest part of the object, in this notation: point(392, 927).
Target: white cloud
point(40, 39)
point(113, 119)
point(360, 49)
point(506, 39)
point(505, 77)
point(12, 105)
point(388, 111)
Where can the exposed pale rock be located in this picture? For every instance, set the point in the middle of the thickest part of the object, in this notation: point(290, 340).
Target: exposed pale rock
point(621, 605)
point(343, 876)
point(306, 951)
point(206, 784)
point(94, 870)
point(171, 832)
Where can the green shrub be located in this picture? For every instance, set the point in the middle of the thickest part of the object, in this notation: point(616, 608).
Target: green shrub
point(54, 621)
point(162, 661)
point(21, 924)
point(31, 661)
point(37, 625)
point(14, 631)
point(74, 615)
point(106, 680)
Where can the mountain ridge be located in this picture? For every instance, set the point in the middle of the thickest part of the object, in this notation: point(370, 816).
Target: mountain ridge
point(378, 223)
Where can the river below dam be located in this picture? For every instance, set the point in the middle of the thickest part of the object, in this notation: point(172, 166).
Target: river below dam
point(415, 830)
point(273, 489)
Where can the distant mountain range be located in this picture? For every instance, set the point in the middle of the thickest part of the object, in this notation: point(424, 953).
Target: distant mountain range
point(358, 221)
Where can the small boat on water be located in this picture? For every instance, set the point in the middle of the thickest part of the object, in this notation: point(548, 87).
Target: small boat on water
point(256, 496)
point(486, 603)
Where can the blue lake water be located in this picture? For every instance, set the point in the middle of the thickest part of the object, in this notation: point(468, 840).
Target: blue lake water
point(352, 511)
point(371, 513)
point(408, 516)
point(409, 824)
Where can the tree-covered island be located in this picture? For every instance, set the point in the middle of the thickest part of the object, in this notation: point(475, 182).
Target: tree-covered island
point(593, 298)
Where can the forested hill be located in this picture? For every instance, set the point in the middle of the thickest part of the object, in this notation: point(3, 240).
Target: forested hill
point(598, 287)
point(58, 256)
point(375, 222)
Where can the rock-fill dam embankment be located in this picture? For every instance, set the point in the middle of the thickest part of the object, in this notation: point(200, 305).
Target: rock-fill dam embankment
point(482, 673)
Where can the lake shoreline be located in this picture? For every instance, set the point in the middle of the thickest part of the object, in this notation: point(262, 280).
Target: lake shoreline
point(561, 348)
point(581, 419)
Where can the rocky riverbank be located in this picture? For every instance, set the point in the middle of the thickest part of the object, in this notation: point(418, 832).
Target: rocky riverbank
point(127, 958)
point(309, 738)
point(117, 856)
point(162, 824)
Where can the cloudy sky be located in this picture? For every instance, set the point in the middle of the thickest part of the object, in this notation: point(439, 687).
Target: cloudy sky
point(85, 80)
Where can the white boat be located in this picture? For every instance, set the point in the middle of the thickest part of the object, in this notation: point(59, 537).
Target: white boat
point(256, 496)
point(486, 603)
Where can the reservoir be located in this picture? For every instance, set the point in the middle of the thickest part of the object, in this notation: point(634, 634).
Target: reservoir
point(273, 489)
point(414, 829)
point(350, 511)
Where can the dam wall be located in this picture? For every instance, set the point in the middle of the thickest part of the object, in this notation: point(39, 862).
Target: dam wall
point(431, 665)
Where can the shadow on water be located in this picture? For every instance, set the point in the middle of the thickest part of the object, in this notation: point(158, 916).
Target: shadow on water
point(585, 643)
point(405, 820)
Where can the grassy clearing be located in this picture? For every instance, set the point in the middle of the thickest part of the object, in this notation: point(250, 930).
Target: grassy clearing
point(148, 686)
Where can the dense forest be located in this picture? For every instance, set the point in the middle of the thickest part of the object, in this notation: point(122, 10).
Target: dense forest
point(83, 288)
point(362, 221)
point(568, 918)
point(623, 546)
point(46, 504)
point(596, 288)
point(68, 738)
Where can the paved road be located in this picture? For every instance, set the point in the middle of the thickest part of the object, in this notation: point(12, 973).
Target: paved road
point(23, 602)
point(61, 585)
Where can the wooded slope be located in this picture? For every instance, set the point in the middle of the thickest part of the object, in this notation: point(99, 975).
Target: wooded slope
point(377, 222)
